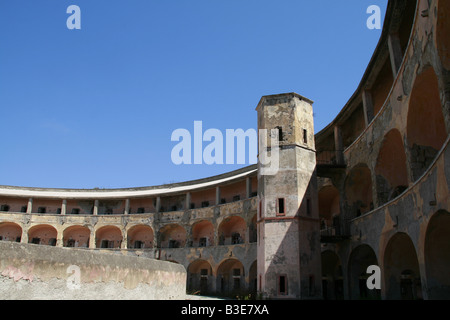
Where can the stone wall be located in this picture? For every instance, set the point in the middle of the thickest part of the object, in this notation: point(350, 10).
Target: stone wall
point(29, 271)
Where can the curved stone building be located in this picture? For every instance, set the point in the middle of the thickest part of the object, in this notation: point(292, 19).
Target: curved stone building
point(371, 188)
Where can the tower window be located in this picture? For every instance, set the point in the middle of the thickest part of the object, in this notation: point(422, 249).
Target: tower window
point(280, 133)
point(281, 209)
point(260, 209)
point(305, 136)
point(282, 285)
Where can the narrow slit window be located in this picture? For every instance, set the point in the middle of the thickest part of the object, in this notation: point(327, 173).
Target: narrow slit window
point(282, 285)
point(260, 209)
point(305, 136)
point(281, 209)
point(280, 133)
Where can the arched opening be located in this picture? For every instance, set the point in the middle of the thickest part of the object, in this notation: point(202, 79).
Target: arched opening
point(42, 234)
point(361, 258)
point(437, 256)
point(329, 210)
point(108, 237)
point(442, 32)
point(10, 231)
point(332, 277)
point(231, 278)
point(76, 236)
point(140, 237)
point(232, 231)
point(203, 234)
point(426, 131)
point(358, 190)
point(252, 279)
point(172, 236)
point(401, 269)
point(199, 277)
point(390, 170)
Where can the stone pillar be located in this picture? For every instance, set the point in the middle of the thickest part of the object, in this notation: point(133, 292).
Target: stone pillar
point(95, 207)
point(64, 207)
point(368, 106)
point(188, 201)
point(339, 145)
point(217, 196)
point(59, 239)
point(158, 204)
point(127, 206)
point(24, 236)
point(92, 239)
point(124, 244)
point(395, 52)
point(30, 205)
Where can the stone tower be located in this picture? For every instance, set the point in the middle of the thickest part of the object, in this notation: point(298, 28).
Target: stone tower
point(289, 265)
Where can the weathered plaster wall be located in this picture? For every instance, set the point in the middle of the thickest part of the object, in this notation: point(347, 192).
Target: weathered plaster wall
point(30, 271)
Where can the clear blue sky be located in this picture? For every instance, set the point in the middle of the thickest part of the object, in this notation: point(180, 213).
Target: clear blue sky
point(96, 107)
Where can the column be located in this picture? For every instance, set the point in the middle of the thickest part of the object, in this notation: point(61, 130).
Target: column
point(59, 239)
point(30, 205)
point(92, 239)
point(95, 207)
point(188, 201)
point(158, 204)
point(64, 207)
point(24, 237)
point(368, 106)
point(127, 206)
point(339, 145)
point(217, 196)
point(395, 52)
point(124, 244)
